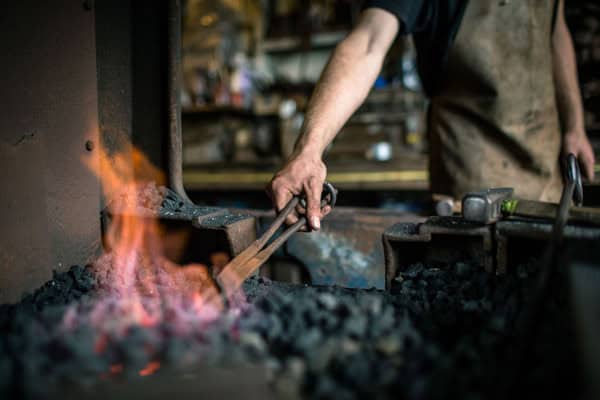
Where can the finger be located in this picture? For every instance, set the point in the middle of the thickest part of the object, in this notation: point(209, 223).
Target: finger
point(325, 210)
point(292, 218)
point(304, 228)
point(280, 196)
point(587, 163)
point(313, 191)
point(300, 210)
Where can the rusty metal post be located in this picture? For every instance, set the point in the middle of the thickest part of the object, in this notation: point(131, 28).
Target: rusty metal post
point(175, 159)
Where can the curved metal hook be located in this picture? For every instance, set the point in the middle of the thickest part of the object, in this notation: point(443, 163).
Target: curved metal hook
point(328, 191)
point(573, 174)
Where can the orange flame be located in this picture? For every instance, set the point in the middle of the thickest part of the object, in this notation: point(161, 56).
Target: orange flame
point(135, 260)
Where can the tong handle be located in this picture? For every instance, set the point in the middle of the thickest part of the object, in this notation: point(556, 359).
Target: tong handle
point(328, 196)
point(573, 176)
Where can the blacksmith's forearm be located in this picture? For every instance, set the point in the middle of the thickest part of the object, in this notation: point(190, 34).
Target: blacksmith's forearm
point(346, 80)
point(343, 86)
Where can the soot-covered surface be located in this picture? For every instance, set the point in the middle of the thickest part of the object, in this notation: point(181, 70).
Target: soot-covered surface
point(441, 333)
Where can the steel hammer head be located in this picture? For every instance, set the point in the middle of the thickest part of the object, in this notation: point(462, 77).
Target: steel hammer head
point(485, 206)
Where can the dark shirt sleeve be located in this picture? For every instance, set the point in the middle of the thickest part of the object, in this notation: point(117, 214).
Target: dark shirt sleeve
point(433, 25)
point(414, 15)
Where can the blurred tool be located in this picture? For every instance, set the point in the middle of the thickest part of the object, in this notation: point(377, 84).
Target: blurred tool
point(446, 206)
point(529, 319)
point(488, 206)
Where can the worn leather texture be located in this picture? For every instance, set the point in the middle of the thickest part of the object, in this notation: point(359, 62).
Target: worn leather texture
point(494, 122)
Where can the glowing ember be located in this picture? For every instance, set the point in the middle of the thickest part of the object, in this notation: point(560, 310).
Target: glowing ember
point(101, 344)
point(116, 369)
point(151, 368)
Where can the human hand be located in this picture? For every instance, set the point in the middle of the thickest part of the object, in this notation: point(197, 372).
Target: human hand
point(302, 174)
point(577, 142)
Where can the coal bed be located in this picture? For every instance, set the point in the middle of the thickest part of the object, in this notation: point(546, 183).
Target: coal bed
point(444, 331)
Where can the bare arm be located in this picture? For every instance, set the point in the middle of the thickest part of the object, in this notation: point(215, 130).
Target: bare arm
point(347, 78)
point(568, 96)
point(343, 86)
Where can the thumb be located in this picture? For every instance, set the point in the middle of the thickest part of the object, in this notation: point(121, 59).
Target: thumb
point(313, 203)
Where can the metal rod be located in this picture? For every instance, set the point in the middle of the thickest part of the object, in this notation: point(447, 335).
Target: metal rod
point(528, 323)
point(175, 162)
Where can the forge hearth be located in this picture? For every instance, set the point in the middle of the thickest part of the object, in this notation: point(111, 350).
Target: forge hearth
point(89, 79)
point(444, 331)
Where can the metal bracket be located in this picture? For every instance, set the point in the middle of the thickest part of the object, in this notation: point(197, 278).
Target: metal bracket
point(438, 239)
point(206, 229)
point(450, 239)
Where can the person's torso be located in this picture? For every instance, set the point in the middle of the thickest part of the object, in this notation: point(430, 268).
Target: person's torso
point(493, 121)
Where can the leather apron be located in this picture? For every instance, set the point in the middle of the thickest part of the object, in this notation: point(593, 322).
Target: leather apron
point(494, 122)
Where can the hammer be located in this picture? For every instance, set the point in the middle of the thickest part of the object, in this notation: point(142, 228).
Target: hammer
point(490, 205)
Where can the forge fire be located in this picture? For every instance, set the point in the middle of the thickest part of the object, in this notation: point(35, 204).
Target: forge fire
point(442, 332)
point(319, 199)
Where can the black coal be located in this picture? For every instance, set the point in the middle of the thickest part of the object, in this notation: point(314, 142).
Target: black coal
point(442, 332)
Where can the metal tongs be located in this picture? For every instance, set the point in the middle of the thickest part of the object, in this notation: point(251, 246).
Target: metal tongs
point(530, 317)
point(244, 264)
point(572, 191)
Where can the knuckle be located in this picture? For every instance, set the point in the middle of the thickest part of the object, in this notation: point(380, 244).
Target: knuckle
point(314, 207)
point(313, 179)
point(276, 185)
point(310, 184)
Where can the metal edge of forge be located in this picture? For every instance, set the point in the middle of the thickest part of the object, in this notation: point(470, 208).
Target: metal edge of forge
point(240, 229)
point(211, 382)
point(509, 232)
point(438, 238)
point(491, 245)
